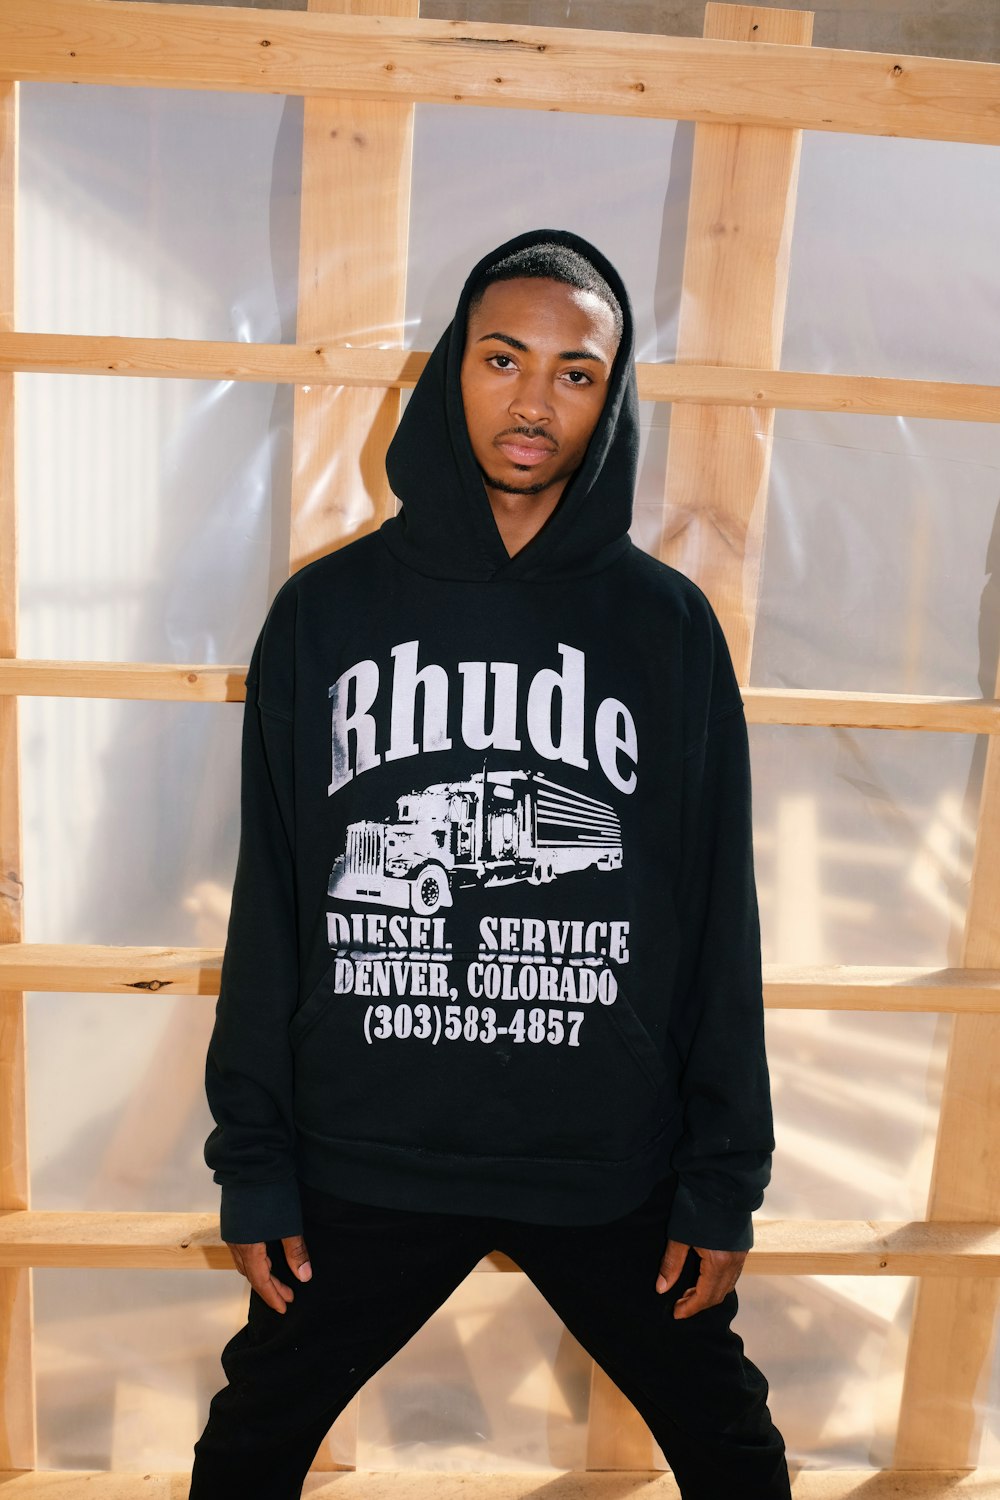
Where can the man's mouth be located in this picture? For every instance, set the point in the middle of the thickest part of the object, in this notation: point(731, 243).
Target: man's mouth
point(526, 452)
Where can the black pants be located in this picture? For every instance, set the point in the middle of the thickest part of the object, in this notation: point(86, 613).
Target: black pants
point(378, 1275)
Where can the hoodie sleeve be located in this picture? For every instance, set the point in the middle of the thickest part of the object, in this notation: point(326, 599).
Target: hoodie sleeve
point(249, 1068)
point(723, 1157)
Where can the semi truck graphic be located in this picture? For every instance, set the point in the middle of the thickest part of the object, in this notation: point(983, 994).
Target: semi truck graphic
point(495, 828)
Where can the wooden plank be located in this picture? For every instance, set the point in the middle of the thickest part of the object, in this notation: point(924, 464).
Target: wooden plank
point(201, 683)
point(743, 183)
point(618, 1437)
point(91, 1485)
point(353, 236)
point(517, 67)
point(864, 987)
point(316, 363)
point(17, 1408)
point(743, 180)
point(808, 1484)
point(833, 1484)
point(809, 706)
point(796, 390)
point(141, 681)
point(352, 285)
point(10, 807)
point(953, 1331)
point(92, 969)
point(190, 1241)
point(332, 364)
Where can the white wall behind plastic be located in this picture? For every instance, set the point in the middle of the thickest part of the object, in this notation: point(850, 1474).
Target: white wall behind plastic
point(154, 522)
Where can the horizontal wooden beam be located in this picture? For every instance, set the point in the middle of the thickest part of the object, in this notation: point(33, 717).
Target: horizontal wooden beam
point(78, 968)
point(202, 359)
point(800, 390)
point(89, 969)
point(301, 364)
point(825, 707)
point(196, 683)
point(656, 1484)
point(165, 681)
point(516, 67)
point(865, 987)
point(181, 1241)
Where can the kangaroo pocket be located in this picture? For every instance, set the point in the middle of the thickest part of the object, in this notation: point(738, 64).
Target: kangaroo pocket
point(449, 1069)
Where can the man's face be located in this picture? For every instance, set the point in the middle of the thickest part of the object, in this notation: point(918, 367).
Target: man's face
point(535, 373)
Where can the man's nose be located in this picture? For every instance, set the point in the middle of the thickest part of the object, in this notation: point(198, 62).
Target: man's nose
point(530, 402)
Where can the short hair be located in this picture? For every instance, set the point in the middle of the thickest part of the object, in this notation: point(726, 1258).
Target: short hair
point(549, 261)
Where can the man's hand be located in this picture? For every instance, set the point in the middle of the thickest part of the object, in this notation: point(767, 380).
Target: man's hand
point(253, 1262)
point(720, 1271)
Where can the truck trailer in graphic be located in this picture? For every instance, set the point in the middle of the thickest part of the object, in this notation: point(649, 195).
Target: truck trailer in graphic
point(495, 828)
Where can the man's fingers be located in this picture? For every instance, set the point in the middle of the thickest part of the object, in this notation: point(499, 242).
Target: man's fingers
point(671, 1265)
point(703, 1294)
point(274, 1293)
point(297, 1257)
point(717, 1277)
point(254, 1263)
point(267, 1286)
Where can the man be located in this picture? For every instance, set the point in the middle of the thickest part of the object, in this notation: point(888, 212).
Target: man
point(493, 970)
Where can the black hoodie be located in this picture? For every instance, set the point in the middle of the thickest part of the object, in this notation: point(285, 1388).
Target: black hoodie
point(494, 945)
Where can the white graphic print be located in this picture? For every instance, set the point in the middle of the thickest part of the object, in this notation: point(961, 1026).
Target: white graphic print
point(411, 704)
point(528, 970)
point(496, 828)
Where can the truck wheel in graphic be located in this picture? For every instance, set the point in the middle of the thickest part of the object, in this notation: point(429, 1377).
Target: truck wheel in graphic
point(541, 873)
point(430, 889)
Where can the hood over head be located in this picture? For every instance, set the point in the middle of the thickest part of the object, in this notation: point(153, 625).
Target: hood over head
point(446, 527)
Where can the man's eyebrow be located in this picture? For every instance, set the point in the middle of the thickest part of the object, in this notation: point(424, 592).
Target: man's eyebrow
point(506, 338)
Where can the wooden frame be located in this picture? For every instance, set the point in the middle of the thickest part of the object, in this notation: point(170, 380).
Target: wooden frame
point(753, 80)
point(513, 67)
point(17, 1416)
point(387, 369)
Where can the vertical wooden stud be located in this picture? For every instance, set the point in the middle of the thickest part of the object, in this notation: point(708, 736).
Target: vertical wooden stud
point(953, 1329)
point(743, 185)
point(617, 1437)
point(17, 1412)
point(352, 287)
point(743, 182)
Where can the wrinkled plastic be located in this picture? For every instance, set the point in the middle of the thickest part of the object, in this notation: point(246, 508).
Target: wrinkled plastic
point(154, 526)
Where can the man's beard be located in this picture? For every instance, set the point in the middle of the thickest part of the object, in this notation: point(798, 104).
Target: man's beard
point(514, 489)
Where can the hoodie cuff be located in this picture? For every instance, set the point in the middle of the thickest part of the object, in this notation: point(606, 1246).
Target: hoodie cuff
point(256, 1213)
point(699, 1221)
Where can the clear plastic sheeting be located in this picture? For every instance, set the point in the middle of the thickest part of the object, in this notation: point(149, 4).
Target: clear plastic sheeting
point(889, 273)
point(868, 582)
point(154, 526)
